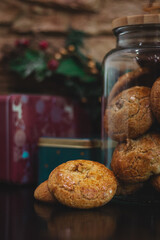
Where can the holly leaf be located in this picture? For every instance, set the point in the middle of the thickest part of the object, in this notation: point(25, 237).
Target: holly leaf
point(32, 55)
point(32, 62)
point(71, 67)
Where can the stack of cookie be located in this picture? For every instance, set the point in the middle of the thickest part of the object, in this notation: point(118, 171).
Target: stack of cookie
point(79, 184)
point(132, 118)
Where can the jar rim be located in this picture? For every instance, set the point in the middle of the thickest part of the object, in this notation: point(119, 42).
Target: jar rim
point(136, 20)
point(149, 28)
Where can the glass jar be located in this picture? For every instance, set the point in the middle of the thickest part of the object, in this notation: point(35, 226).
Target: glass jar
point(131, 108)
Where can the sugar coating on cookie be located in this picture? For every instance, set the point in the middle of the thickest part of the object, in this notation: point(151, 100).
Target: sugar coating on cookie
point(129, 114)
point(155, 99)
point(82, 184)
point(137, 160)
point(42, 193)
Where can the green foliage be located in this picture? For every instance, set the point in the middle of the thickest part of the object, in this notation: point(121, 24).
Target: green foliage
point(75, 38)
point(31, 62)
point(71, 67)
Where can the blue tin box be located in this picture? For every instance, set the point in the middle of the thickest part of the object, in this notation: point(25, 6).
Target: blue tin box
point(55, 151)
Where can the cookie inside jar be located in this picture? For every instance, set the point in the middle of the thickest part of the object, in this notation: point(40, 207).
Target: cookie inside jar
point(131, 108)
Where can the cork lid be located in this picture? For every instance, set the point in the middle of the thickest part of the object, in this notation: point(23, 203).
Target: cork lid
point(136, 20)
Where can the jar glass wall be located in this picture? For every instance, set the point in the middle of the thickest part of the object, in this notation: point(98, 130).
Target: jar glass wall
point(131, 111)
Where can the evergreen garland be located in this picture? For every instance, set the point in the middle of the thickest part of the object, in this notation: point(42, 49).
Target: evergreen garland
point(80, 75)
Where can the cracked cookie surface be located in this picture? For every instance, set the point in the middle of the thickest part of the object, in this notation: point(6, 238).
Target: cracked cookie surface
point(129, 114)
point(137, 160)
point(82, 184)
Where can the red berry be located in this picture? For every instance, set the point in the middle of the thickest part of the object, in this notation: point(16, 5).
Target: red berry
point(43, 45)
point(22, 42)
point(53, 64)
point(25, 42)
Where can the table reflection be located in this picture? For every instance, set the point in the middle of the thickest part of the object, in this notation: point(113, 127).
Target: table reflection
point(21, 217)
point(67, 223)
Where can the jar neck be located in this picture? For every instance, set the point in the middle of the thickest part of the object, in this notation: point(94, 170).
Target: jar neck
point(138, 36)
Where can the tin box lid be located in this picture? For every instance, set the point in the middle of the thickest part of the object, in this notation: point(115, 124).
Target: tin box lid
point(136, 20)
point(69, 142)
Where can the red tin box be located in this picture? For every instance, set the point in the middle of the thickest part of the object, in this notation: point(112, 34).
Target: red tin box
point(26, 118)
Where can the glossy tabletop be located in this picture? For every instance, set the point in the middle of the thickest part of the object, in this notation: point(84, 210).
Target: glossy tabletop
point(22, 218)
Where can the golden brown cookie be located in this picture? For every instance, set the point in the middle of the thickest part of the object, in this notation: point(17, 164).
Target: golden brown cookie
point(155, 181)
point(155, 99)
point(82, 184)
point(137, 160)
point(129, 79)
point(129, 114)
point(42, 193)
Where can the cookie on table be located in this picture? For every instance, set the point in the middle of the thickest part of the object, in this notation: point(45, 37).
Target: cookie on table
point(155, 181)
point(155, 99)
point(42, 193)
point(136, 77)
point(137, 160)
point(129, 114)
point(82, 184)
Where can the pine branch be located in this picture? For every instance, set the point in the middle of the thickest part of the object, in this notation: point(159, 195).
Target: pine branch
point(75, 38)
